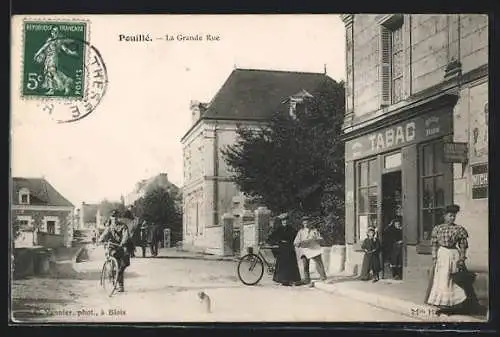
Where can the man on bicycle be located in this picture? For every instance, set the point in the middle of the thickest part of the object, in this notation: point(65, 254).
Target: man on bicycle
point(117, 232)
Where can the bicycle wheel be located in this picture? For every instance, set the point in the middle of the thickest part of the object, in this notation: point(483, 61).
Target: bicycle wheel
point(250, 269)
point(109, 275)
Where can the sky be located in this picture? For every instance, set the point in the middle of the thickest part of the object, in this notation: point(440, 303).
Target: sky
point(135, 132)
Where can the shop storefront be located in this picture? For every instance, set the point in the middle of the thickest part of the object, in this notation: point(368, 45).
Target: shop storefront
point(397, 168)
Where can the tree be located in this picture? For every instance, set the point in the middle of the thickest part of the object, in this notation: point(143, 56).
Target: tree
point(158, 206)
point(106, 207)
point(296, 163)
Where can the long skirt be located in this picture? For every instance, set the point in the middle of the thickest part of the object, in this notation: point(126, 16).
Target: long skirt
point(371, 263)
point(286, 269)
point(443, 292)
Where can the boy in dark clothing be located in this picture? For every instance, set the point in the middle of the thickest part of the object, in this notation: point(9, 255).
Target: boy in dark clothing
point(371, 263)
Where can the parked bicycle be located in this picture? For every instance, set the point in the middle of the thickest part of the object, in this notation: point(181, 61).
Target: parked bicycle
point(251, 266)
point(109, 274)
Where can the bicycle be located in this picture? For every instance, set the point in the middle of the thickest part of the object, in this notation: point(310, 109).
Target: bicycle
point(254, 264)
point(109, 273)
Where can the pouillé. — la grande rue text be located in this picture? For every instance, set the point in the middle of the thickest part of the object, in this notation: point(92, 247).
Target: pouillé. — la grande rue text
point(142, 37)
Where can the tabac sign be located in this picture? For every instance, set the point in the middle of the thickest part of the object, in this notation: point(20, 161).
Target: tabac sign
point(415, 130)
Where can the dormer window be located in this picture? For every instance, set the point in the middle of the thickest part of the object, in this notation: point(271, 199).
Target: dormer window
point(297, 103)
point(24, 196)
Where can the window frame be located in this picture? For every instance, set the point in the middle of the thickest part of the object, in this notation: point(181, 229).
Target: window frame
point(28, 219)
point(51, 227)
point(57, 225)
point(358, 187)
point(24, 192)
point(400, 29)
point(447, 174)
point(387, 27)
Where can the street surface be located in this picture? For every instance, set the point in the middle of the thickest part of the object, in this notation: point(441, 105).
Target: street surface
point(165, 290)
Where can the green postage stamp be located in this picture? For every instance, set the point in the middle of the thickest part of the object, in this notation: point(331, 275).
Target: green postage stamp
point(54, 59)
point(61, 69)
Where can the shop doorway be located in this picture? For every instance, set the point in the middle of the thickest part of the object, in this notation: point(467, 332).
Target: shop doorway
point(392, 232)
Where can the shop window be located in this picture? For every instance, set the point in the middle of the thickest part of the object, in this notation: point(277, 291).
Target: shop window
point(435, 185)
point(367, 200)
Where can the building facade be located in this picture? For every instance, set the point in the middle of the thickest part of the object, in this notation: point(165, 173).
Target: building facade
point(248, 97)
point(88, 217)
point(44, 216)
point(416, 130)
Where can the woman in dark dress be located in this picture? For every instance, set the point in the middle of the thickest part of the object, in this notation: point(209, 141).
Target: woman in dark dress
point(393, 240)
point(286, 271)
point(371, 263)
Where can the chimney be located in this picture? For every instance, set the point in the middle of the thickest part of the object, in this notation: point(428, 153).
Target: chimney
point(195, 111)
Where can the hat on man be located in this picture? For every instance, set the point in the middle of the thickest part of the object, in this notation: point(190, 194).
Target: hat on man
point(283, 216)
point(454, 209)
point(114, 213)
point(306, 218)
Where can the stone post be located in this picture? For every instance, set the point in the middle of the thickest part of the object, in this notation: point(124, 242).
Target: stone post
point(227, 230)
point(262, 221)
point(247, 232)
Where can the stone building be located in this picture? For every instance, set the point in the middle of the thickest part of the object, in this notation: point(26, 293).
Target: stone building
point(89, 217)
point(248, 97)
point(45, 216)
point(416, 130)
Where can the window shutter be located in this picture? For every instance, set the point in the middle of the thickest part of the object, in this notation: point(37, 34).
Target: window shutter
point(385, 66)
point(58, 227)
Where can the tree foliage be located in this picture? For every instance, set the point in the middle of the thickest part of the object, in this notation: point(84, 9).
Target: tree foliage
point(296, 163)
point(106, 207)
point(158, 206)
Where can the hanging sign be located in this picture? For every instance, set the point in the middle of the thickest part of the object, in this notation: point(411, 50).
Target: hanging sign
point(455, 152)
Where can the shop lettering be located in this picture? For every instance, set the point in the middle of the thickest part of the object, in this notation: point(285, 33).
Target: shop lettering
point(393, 136)
point(431, 131)
point(480, 179)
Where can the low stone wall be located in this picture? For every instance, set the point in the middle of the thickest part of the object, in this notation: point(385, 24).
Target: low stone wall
point(32, 261)
point(213, 241)
point(50, 240)
point(333, 260)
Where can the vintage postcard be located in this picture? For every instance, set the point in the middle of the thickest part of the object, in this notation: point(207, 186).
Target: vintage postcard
point(249, 168)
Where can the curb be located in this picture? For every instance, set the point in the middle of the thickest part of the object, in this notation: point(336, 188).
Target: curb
point(407, 308)
point(228, 259)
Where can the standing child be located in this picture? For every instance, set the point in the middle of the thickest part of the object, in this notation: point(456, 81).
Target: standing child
point(371, 263)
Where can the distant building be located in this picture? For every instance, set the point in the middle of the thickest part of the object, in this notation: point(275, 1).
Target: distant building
point(146, 185)
point(89, 217)
point(248, 97)
point(44, 215)
point(416, 130)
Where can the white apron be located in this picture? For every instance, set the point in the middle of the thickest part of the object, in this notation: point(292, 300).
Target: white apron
point(444, 292)
point(313, 248)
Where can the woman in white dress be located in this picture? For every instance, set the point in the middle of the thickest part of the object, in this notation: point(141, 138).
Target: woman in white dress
point(449, 247)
